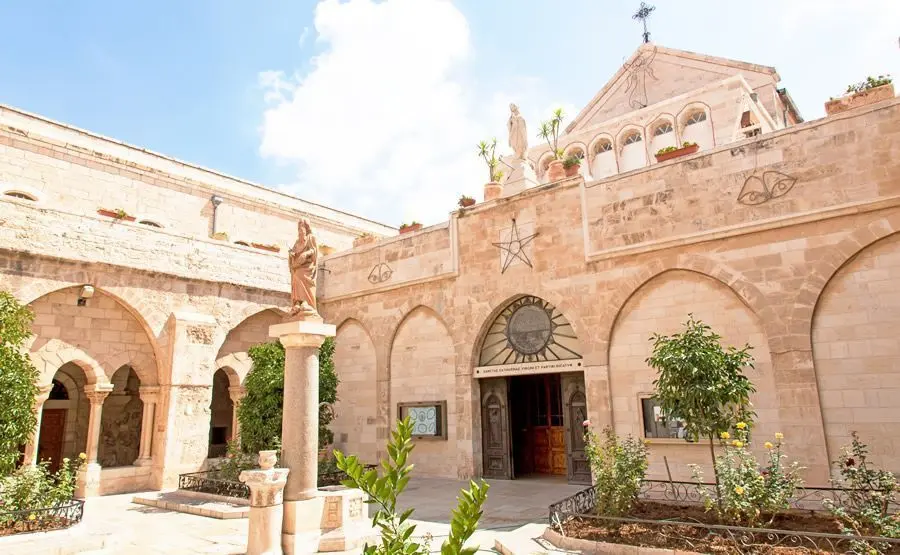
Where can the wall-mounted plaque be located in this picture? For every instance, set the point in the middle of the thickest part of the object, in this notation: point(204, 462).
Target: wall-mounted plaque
point(429, 419)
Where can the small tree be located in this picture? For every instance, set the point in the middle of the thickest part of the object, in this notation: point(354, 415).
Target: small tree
point(261, 409)
point(549, 131)
point(486, 150)
point(18, 378)
point(702, 383)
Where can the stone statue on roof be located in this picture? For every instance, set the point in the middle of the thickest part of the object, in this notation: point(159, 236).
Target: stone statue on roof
point(518, 135)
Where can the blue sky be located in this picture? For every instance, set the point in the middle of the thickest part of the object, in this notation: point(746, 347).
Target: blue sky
point(374, 107)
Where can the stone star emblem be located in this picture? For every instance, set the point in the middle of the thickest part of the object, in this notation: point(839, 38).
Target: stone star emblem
point(514, 248)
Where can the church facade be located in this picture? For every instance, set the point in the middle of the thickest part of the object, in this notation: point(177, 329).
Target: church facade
point(503, 329)
point(499, 331)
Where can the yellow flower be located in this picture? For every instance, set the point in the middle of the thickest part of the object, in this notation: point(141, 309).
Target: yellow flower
point(779, 436)
point(31, 516)
point(769, 445)
point(739, 490)
point(741, 425)
point(737, 443)
point(82, 456)
point(761, 478)
point(725, 435)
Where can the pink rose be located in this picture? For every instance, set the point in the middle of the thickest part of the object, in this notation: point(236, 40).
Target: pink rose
point(586, 423)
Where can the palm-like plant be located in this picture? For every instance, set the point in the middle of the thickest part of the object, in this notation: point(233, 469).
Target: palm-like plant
point(487, 151)
point(549, 131)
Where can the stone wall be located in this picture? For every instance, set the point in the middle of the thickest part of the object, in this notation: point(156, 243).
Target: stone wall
point(354, 423)
point(757, 272)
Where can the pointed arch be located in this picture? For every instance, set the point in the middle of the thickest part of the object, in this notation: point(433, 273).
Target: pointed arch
point(632, 148)
point(602, 156)
point(695, 130)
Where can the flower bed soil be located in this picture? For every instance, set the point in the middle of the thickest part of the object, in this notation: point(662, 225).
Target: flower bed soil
point(42, 525)
point(662, 534)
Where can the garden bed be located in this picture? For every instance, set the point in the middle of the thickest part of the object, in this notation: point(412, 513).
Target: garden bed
point(667, 516)
point(42, 520)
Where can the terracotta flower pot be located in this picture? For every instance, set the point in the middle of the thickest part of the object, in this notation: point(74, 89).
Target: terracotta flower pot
point(466, 202)
point(115, 215)
point(363, 240)
point(855, 100)
point(492, 190)
point(572, 171)
point(270, 248)
point(556, 171)
point(411, 228)
point(683, 151)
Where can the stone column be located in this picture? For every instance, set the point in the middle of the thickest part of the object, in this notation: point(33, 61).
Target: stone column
point(266, 511)
point(31, 448)
point(149, 396)
point(237, 393)
point(89, 479)
point(300, 430)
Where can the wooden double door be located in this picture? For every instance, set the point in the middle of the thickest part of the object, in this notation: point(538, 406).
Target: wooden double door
point(533, 425)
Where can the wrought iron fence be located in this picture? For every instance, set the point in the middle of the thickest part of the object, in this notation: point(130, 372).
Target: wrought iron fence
point(61, 516)
point(209, 482)
point(579, 510)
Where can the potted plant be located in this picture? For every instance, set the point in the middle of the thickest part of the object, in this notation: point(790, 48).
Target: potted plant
point(326, 249)
point(572, 164)
point(265, 247)
point(487, 152)
point(364, 239)
point(409, 228)
point(466, 201)
point(670, 152)
point(873, 89)
point(549, 131)
point(116, 213)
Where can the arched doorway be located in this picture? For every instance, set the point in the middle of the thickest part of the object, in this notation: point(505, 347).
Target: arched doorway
point(120, 425)
point(64, 417)
point(531, 374)
point(221, 411)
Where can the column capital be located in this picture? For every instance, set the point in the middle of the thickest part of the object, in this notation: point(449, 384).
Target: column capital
point(237, 392)
point(302, 333)
point(148, 393)
point(98, 393)
point(43, 394)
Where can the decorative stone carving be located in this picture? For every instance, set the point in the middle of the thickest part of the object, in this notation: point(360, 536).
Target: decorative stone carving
point(266, 511)
point(772, 184)
point(380, 273)
point(201, 335)
point(518, 134)
point(303, 260)
point(512, 247)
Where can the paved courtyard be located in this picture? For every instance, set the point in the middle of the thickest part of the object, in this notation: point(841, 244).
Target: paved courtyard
point(137, 529)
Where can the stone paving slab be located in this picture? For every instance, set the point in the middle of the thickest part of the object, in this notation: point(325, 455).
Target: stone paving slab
point(213, 506)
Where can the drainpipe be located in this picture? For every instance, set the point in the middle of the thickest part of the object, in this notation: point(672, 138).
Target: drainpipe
point(216, 201)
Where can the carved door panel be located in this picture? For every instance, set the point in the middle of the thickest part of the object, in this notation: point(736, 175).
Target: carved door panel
point(495, 429)
point(50, 440)
point(558, 451)
point(575, 412)
point(542, 455)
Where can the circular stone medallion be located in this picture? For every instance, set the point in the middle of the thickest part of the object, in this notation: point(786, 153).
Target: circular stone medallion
point(529, 329)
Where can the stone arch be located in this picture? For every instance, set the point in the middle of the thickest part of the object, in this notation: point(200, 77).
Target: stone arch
point(656, 139)
point(355, 362)
point(855, 349)
point(121, 420)
point(631, 152)
point(800, 317)
point(661, 305)
point(221, 411)
point(422, 367)
point(48, 360)
point(569, 148)
point(603, 162)
point(542, 165)
point(749, 294)
point(253, 329)
point(103, 331)
point(707, 138)
point(74, 431)
point(21, 192)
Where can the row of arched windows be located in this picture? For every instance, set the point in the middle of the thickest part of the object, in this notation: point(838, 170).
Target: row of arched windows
point(29, 197)
point(635, 147)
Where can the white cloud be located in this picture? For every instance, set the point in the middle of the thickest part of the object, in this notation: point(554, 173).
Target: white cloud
point(385, 121)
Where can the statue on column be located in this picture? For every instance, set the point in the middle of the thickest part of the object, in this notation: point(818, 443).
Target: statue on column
point(303, 259)
point(518, 135)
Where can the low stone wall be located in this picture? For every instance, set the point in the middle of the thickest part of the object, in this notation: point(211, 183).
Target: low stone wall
point(125, 479)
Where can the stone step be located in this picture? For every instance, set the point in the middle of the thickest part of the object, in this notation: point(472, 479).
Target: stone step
point(528, 540)
point(200, 504)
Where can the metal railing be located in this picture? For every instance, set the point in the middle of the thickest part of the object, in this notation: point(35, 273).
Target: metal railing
point(579, 510)
point(211, 482)
point(61, 516)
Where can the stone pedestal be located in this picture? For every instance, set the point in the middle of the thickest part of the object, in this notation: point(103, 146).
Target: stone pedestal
point(300, 430)
point(266, 509)
point(521, 177)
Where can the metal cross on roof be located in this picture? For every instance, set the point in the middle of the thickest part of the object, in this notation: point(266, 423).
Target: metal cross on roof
point(642, 14)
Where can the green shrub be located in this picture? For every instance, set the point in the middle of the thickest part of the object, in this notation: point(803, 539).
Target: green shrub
point(260, 411)
point(618, 468)
point(869, 83)
point(865, 508)
point(395, 529)
point(750, 495)
point(18, 378)
point(35, 487)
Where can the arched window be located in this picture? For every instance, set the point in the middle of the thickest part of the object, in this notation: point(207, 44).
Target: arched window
point(604, 162)
point(663, 128)
point(20, 195)
point(633, 155)
point(696, 117)
point(149, 223)
point(242, 243)
point(59, 392)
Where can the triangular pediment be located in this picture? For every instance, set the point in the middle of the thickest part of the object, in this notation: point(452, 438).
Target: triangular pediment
point(655, 73)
